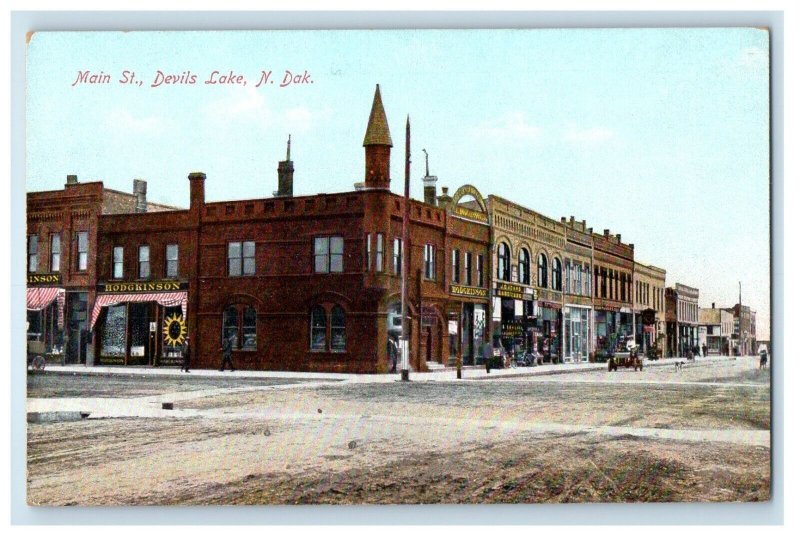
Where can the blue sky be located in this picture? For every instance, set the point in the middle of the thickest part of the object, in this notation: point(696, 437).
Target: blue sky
point(660, 135)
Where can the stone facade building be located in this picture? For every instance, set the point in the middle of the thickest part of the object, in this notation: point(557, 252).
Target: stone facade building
point(683, 318)
point(649, 305)
point(577, 325)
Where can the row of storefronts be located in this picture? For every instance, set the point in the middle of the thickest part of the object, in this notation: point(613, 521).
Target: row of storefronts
point(313, 282)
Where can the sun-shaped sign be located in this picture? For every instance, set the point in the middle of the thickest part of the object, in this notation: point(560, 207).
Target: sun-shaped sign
point(174, 330)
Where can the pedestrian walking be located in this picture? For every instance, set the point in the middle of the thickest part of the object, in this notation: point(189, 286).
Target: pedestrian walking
point(187, 355)
point(391, 352)
point(227, 346)
point(487, 355)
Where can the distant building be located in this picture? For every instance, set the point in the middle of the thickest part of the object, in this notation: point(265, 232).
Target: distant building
point(649, 304)
point(744, 329)
point(683, 317)
point(716, 330)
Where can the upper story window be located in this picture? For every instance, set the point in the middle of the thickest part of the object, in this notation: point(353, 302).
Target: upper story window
point(568, 279)
point(556, 273)
point(524, 268)
point(542, 270)
point(33, 253)
point(118, 263)
point(479, 270)
point(241, 258)
point(503, 262)
point(368, 251)
point(456, 268)
point(172, 260)
point(144, 262)
point(379, 252)
point(588, 281)
point(397, 256)
point(82, 238)
point(328, 254)
point(578, 288)
point(55, 252)
point(429, 258)
point(468, 268)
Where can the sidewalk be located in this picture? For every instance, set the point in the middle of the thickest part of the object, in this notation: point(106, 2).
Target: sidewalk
point(448, 374)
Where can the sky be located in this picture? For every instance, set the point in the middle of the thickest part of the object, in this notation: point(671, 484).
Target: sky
point(661, 135)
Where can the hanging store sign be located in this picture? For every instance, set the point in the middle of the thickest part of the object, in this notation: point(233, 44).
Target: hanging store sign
point(174, 330)
point(517, 292)
point(428, 315)
point(142, 286)
point(470, 292)
point(44, 279)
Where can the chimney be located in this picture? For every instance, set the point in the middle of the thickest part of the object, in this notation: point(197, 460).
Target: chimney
point(563, 219)
point(286, 173)
point(713, 305)
point(197, 190)
point(72, 179)
point(140, 192)
point(619, 238)
point(444, 199)
point(429, 182)
point(605, 232)
point(377, 146)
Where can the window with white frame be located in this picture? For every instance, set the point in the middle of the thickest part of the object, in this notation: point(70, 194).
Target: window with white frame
point(172, 260)
point(33, 253)
point(429, 258)
point(55, 252)
point(118, 263)
point(144, 262)
point(328, 254)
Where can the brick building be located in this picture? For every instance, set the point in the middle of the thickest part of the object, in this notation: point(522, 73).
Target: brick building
point(613, 292)
point(62, 237)
point(649, 305)
point(296, 283)
point(715, 330)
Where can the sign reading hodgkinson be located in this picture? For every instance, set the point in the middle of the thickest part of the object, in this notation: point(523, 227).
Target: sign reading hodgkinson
point(142, 286)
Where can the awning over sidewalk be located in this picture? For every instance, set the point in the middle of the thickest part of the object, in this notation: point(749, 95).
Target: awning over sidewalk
point(167, 299)
point(39, 298)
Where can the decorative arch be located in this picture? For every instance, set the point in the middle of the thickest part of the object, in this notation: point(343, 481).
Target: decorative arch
point(467, 190)
point(242, 298)
point(329, 296)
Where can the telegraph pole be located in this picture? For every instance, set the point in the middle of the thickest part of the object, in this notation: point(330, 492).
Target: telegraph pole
point(406, 257)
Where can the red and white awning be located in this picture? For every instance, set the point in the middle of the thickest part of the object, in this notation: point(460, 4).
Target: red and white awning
point(167, 299)
point(39, 298)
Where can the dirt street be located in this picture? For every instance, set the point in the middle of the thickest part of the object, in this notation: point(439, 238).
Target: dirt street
point(699, 434)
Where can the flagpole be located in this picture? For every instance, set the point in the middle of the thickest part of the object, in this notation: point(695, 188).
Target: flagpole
point(405, 251)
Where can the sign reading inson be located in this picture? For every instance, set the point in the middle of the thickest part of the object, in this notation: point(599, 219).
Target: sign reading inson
point(142, 286)
point(44, 279)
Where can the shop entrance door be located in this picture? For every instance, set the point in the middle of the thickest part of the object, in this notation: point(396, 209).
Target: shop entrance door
point(139, 351)
point(76, 327)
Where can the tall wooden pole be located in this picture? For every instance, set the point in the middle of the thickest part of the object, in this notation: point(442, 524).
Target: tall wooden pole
point(406, 250)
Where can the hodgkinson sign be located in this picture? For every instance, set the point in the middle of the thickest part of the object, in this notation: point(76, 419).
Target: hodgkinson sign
point(43, 279)
point(142, 286)
point(472, 292)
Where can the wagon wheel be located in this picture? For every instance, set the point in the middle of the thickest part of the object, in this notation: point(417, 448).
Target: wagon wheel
point(38, 363)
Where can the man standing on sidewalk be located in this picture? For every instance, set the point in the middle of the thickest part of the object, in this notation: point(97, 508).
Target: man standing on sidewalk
point(186, 355)
point(227, 346)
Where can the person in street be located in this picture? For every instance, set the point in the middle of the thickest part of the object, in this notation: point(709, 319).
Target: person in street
point(227, 346)
point(186, 355)
point(391, 352)
point(487, 355)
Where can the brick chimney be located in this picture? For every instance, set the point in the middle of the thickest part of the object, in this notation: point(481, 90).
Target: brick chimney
point(429, 183)
point(72, 179)
point(444, 199)
point(377, 146)
point(286, 173)
point(140, 192)
point(197, 190)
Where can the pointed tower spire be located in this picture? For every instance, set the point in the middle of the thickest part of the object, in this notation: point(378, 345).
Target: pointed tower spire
point(377, 128)
point(377, 145)
point(289, 149)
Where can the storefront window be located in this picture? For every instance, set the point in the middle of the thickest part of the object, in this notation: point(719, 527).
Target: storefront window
point(112, 342)
point(249, 338)
point(318, 328)
point(230, 325)
point(337, 329)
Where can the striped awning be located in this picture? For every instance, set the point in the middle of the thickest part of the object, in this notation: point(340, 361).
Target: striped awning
point(167, 299)
point(39, 298)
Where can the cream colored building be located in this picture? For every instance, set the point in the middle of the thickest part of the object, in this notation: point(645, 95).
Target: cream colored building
point(649, 284)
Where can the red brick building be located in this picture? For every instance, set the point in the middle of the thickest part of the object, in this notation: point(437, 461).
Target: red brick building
point(613, 292)
point(296, 283)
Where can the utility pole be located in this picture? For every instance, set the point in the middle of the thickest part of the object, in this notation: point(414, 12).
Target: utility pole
point(406, 250)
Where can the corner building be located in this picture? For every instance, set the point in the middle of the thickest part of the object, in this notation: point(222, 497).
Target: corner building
point(306, 283)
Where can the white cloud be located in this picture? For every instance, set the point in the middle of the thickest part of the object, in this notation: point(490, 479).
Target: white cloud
point(574, 134)
point(123, 120)
point(239, 103)
point(511, 126)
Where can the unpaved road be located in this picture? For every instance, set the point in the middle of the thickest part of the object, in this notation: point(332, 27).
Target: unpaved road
point(593, 436)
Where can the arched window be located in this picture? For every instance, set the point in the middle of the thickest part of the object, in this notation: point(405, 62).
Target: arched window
point(319, 328)
point(239, 326)
point(337, 329)
point(328, 329)
point(556, 273)
point(503, 262)
point(524, 267)
point(542, 270)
